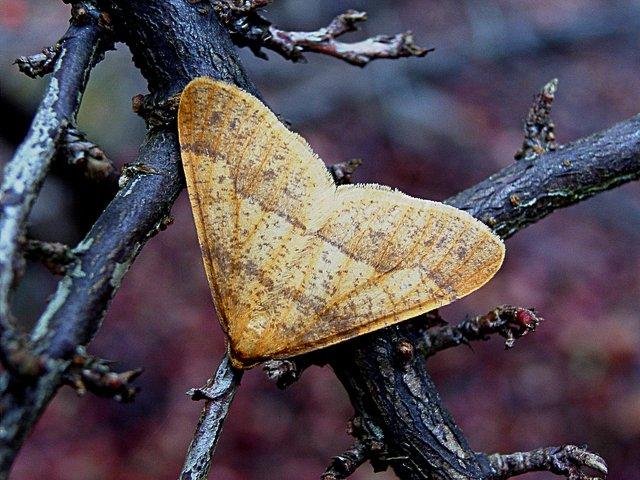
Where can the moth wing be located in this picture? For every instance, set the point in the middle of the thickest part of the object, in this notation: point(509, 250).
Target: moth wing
point(254, 188)
point(295, 264)
point(395, 257)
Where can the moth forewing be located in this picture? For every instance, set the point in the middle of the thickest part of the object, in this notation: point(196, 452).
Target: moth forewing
point(296, 264)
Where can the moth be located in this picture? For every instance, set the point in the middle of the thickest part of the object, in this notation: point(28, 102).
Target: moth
point(296, 263)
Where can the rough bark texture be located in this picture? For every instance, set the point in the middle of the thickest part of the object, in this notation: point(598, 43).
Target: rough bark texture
point(218, 394)
point(81, 47)
point(399, 412)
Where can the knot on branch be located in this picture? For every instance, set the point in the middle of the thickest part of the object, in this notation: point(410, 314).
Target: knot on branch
point(40, 64)
point(86, 156)
point(91, 374)
point(156, 113)
point(18, 357)
point(539, 129)
point(248, 28)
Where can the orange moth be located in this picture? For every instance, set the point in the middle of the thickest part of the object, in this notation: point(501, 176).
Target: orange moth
point(295, 263)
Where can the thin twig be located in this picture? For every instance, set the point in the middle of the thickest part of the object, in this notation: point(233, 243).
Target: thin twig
point(87, 157)
point(249, 28)
point(40, 64)
point(568, 461)
point(508, 321)
point(218, 395)
point(539, 129)
point(91, 374)
point(345, 464)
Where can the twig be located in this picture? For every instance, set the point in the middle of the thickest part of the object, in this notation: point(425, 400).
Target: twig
point(249, 28)
point(55, 256)
point(343, 465)
point(82, 46)
point(528, 190)
point(87, 157)
point(40, 64)
point(508, 321)
point(218, 395)
point(286, 372)
point(92, 374)
point(568, 461)
point(539, 129)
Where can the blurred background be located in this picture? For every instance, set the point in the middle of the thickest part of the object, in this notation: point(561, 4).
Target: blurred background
point(430, 127)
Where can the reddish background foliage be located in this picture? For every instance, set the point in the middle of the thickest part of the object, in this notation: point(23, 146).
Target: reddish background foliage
point(429, 126)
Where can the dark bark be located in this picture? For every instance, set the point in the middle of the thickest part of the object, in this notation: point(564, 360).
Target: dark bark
point(218, 394)
point(528, 190)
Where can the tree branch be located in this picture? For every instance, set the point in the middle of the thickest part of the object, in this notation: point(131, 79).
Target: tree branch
point(528, 190)
point(82, 46)
point(218, 393)
point(506, 320)
point(249, 28)
point(568, 461)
